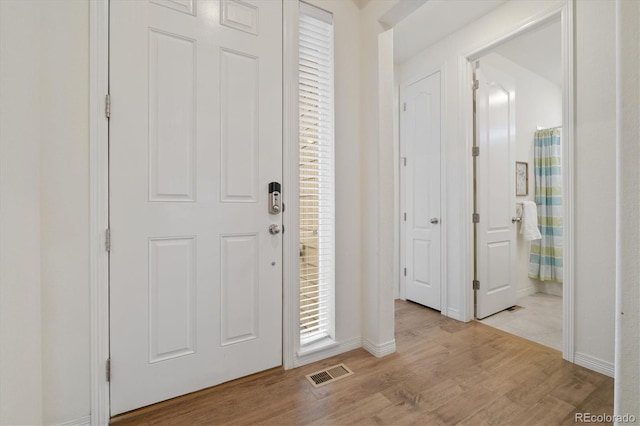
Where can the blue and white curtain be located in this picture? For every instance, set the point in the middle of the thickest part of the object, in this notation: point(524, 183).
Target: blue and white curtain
point(545, 260)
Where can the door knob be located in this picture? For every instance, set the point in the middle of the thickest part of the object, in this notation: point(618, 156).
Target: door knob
point(274, 229)
point(434, 220)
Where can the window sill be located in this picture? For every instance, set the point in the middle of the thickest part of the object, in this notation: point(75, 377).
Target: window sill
point(317, 346)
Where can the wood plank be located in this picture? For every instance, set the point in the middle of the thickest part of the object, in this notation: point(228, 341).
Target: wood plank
point(444, 372)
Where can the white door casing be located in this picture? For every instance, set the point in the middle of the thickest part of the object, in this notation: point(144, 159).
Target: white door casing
point(495, 183)
point(420, 135)
point(195, 139)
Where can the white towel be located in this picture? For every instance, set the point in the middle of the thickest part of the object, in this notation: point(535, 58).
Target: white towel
point(529, 225)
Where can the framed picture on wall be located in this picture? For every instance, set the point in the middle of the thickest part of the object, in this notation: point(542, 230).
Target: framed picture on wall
point(522, 178)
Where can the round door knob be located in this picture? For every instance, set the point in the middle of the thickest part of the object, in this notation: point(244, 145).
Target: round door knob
point(434, 220)
point(274, 229)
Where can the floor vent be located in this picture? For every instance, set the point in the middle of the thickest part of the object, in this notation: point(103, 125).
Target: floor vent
point(329, 375)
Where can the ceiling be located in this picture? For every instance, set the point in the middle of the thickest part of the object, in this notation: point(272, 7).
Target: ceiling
point(539, 50)
point(361, 3)
point(435, 20)
point(419, 24)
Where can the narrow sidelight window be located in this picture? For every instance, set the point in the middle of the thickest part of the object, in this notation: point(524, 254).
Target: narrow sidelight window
point(317, 181)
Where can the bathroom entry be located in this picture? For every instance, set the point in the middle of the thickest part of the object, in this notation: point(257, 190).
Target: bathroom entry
point(518, 170)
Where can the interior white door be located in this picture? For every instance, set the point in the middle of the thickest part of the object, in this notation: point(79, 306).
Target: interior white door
point(195, 139)
point(495, 186)
point(420, 139)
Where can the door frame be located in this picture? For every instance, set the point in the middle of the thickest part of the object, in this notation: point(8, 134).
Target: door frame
point(99, 195)
point(565, 12)
point(444, 310)
point(99, 209)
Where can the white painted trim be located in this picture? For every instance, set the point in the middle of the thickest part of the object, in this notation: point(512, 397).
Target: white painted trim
point(523, 292)
point(568, 155)
point(319, 346)
point(566, 14)
point(596, 364)
point(466, 113)
point(443, 189)
point(99, 208)
point(402, 196)
point(455, 314)
point(380, 350)
point(82, 421)
point(402, 291)
point(398, 260)
point(444, 223)
point(534, 21)
point(332, 350)
point(290, 217)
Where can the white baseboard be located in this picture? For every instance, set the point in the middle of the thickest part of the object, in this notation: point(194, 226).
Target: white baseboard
point(592, 363)
point(455, 314)
point(346, 346)
point(527, 291)
point(379, 350)
point(82, 421)
point(550, 287)
point(341, 347)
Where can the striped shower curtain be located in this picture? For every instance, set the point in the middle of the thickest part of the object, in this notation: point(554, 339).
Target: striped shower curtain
point(545, 260)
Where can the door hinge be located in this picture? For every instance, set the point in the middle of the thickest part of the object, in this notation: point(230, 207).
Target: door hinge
point(107, 106)
point(475, 217)
point(475, 151)
point(476, 84)
point(404, 161)
point(405, 216)
point(405, 272)
point(476, 285)
point(404, 106)
point(108, 370)
point(107, 240)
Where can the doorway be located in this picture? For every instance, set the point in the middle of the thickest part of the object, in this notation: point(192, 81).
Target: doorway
point(519, 185)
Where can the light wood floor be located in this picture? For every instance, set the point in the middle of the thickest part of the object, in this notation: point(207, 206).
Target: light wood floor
point(444, 373)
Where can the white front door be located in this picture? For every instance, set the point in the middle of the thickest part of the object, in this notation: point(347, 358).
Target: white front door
point(420, 145)
point(195, 139)
point(495, 186)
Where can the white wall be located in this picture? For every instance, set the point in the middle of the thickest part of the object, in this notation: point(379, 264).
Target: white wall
point(44, 222)
point(627, 379)
point(378, 251)
point(594, 162)
point(595, 182)
point(64, 201)
point(20, 304)
point(538, 102)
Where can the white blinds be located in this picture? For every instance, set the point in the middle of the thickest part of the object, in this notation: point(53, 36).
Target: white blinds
point(316, 149)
